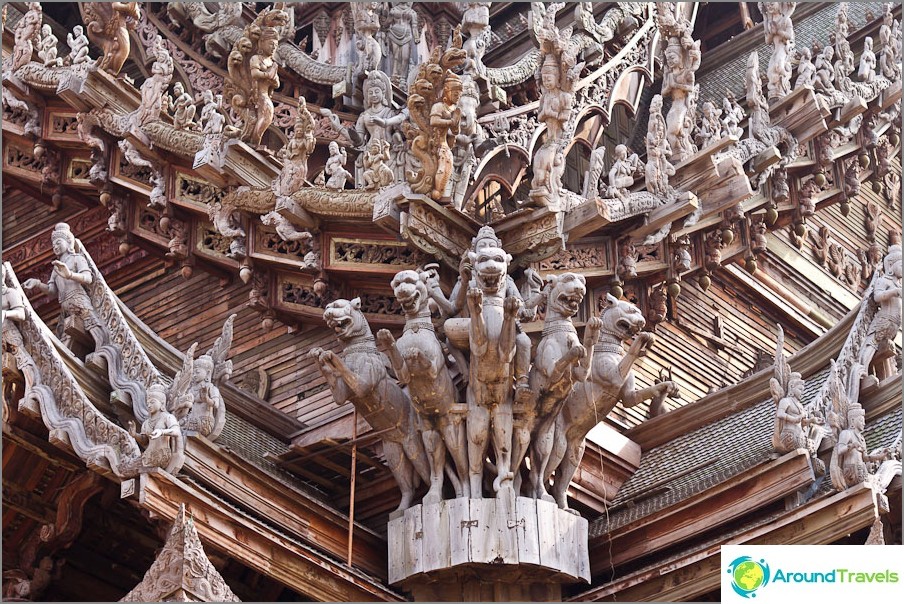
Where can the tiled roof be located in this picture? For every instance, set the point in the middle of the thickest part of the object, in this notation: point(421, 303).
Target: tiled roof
point(729, 74)
point(699, 460)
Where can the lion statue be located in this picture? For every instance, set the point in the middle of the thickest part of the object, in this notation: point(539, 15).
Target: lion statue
point(420, 363)
point(360, 376)
point(611, 380)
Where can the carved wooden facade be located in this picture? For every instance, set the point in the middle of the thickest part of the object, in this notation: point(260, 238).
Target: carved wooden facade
point(782, 212)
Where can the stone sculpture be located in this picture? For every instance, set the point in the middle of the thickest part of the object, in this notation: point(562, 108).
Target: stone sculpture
point(47, 47)
point(682, 59)
point(108, 26)
point(160, 435)
point(420, 364)
point(27, 36)
point(67, 282)
point(611, 380)
point(557, 76)
point(359, 376)
point(779, 31)
point(252, 74)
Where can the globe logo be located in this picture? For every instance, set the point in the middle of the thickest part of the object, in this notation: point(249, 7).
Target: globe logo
point(748, 575)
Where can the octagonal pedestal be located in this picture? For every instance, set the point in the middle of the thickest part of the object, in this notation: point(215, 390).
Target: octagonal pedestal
point(487, 550)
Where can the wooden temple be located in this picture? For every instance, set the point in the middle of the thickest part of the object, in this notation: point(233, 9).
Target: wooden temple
point(444, 301)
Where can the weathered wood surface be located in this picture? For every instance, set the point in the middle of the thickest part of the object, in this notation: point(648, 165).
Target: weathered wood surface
point(434, 542)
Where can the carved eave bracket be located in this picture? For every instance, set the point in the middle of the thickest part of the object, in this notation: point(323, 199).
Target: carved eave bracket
point(182, 572)
point(54, 396)
point(801, 114)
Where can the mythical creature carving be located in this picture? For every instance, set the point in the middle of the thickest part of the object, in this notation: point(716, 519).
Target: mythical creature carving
point(435, 116)
point(227, 222)
point(420, 364)
point(779, 30)
point(611, 381)
point(252, 74)
point(561, 360)
point(109, 24)
point(194, 397)
point(218, 27)
point(359, 376)
point(475, 21)
point(285, 229)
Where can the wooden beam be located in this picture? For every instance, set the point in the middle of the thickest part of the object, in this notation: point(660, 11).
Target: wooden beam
point(27, 503)
point(259, 547)
point(689, 575)
point(714, 507)
point(295, 512)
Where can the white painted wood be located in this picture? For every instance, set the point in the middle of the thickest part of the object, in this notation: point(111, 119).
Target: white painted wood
point(484, 535)
point(398, 546)
point(459, 530)
point(414, 533)
point(506, 530)
point(547, 531)
point(582, 538)
point(528, 541)
point(437, 545)
point(566, 545)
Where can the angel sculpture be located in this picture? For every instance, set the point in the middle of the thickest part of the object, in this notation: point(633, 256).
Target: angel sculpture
point(226, 223)
point(160, 435)
point(108, 26)
point(194, 397)
point(335, 167)
point(252, 74)
point(285, 229)
point(295, 154)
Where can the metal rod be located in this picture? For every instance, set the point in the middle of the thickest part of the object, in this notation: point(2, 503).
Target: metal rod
point(351, 496)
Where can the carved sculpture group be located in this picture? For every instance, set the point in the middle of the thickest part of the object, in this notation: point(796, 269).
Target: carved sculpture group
point(510, 406)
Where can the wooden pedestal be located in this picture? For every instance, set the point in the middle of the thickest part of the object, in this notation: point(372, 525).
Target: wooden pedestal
point(487, 550)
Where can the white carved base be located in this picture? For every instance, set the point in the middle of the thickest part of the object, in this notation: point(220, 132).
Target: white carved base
point(440, 544)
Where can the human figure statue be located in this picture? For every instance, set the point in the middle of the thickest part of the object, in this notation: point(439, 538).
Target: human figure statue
point(470, 136)
point(732, 115)
point(554, 111)
point(867, 70)
point(682, 59)
point(779, 31)
point(160, 435)
point(335, 167)
point(68, 280)
point(825, 71)
point(265, 79)
point(153, 97)
point(621, 175)
point(295, 154)
point(402, 39)
point(658, 168)
point(367, 24)
point(445, 120)
point(806, 70)
point(790, 418)
point(78, 46)
point(476, 23)
point(182, 106)
point(890, 58)
point(886, 324)
point(27, 35)
point(377, 173)
point(710, 127)
point(47, 47)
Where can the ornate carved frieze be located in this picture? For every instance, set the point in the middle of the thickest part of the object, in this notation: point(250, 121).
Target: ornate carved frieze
point(592, 256)
point(373, 254)
point(302, 294)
